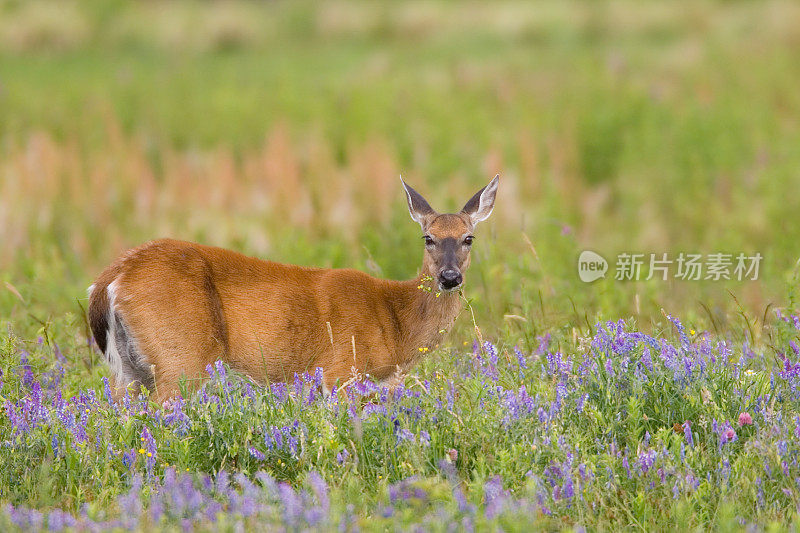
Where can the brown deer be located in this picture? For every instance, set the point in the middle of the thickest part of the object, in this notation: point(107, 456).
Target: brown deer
point(165, 310)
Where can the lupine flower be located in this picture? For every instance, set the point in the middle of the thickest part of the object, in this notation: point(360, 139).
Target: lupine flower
point(148, 450)
point(726, 433)
point(256, 454)
point(405, 435)
point(495, 497)
point(626, 465)
point(131, 504)
point(292, 504)
point(794, 320)
point(107, 393)
point(177, 418)
point(782, 447)
point(320, 489)
point(425, 438)
point(44, 416)
point(373, 409)
point(342, 456)
point(58, 520)
point(687, 432)
point(523, 364)
point(581, 403)
point(647, 459)
point(407, 490)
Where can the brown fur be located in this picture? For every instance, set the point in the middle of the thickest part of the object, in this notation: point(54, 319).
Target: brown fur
point(187, 305)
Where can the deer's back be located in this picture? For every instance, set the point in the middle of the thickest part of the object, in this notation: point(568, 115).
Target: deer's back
point(187, 304)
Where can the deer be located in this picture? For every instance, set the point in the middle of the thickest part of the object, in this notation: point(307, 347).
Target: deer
point(163, 311)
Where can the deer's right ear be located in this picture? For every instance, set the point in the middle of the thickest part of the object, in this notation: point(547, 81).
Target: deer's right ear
point(418, 208)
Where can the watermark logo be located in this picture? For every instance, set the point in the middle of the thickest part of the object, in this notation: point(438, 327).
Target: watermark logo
point(686, 267)
point(591, 266)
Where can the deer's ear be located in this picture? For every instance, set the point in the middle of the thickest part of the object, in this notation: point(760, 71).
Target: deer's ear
point(480, 206)
point(418, 208)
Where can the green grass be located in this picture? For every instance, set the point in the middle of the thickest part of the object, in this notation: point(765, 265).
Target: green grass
point(279, 129)
point(642, 134)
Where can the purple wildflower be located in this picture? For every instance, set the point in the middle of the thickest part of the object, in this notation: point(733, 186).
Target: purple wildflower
point(523, 364)
point(292, 504)
point(256, 454)
point(149, 450)
point(494, 496)
point(687, 433)
point(342, 456)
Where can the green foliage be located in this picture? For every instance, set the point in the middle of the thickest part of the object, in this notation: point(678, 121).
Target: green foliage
point(579, 432)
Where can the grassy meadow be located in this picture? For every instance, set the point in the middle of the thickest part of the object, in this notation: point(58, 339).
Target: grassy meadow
point(279, 129)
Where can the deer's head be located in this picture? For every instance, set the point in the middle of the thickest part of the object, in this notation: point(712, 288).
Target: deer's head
point(448, 237)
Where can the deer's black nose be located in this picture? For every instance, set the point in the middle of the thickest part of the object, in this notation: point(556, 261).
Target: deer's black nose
point(450, 278)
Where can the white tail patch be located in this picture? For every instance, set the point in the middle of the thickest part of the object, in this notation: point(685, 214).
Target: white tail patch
point(126, 361)
point(112, 352)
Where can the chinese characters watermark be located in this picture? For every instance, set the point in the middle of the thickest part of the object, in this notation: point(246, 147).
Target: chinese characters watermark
point(683, 266)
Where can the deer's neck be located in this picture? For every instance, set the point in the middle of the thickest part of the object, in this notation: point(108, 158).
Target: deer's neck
point(424, 314)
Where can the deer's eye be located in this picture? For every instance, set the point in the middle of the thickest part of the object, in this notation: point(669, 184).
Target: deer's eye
point(428, 240)
point(468, 240)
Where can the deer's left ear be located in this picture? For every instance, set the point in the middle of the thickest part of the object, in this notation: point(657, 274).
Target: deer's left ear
point(480, 206)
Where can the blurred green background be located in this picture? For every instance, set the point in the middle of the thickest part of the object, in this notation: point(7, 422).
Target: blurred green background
point(280, 129)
